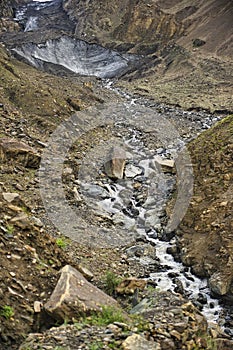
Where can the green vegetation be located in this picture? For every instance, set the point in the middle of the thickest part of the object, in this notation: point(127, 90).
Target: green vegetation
point(96, 346)
point(111, 282)
point(62, 242)
point(10, 229)
point(6, 311)
point(108, 315)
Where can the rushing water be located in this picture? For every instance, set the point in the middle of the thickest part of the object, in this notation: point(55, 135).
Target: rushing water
point(146, 215)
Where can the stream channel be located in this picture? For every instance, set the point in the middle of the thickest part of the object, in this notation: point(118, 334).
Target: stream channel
point(138, 201)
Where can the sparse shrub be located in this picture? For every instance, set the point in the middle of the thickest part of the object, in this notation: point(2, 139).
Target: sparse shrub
point(96, 346)
point(10, 229)
point(111, 282)
point(62, 242)
point(6, 311)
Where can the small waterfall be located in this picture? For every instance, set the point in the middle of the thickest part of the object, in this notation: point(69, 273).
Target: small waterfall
point(31, 24)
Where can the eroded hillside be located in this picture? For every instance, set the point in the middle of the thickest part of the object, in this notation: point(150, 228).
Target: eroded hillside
point(188, 45)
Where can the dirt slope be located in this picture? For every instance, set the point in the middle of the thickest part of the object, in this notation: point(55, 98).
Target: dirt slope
point(205, 234)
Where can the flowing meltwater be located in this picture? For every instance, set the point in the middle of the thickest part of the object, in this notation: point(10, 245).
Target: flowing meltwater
point(147, 219)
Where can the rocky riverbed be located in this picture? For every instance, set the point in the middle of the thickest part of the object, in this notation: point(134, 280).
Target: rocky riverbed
point(99, 179)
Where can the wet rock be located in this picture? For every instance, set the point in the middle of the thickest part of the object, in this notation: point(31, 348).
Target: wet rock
point(140, 250)
point(12, 150)
point(167, 165)
point(179, 286)
point(138, 342)
point(126, 196)
point(74, 296)
point(114, 167)
point(95, 191)
point(202, 298)
point(132, 171)
point(130, 285)
point(130, 211)
point(152, 219)
point(126, 222)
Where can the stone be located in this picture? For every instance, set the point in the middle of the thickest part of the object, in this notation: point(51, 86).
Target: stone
point(85, 272)
point(114, 167)
point(13, 198)
point(138, 342)
point(12, 150)
point(129, 285)
point(37, 306)
point(167, 165)
point(77, 195)
point(124, 221)
point(132, 171)
point(95, 191)
point(21, 220)
point(152, 219)
point(74, 296)
point(219, 283)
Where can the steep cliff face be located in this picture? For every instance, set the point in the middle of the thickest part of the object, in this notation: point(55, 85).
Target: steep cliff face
point(145, 26)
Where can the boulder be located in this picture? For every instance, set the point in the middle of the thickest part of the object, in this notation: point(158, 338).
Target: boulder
point(220, 283)
point(12, 198)
point(138, 342)
point(167, 165)
point(132, 171)
point(12, 150)
point(74, 296)
point(114, 167)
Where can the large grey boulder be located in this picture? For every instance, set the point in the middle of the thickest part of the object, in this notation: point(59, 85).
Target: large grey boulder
point(74, 296)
